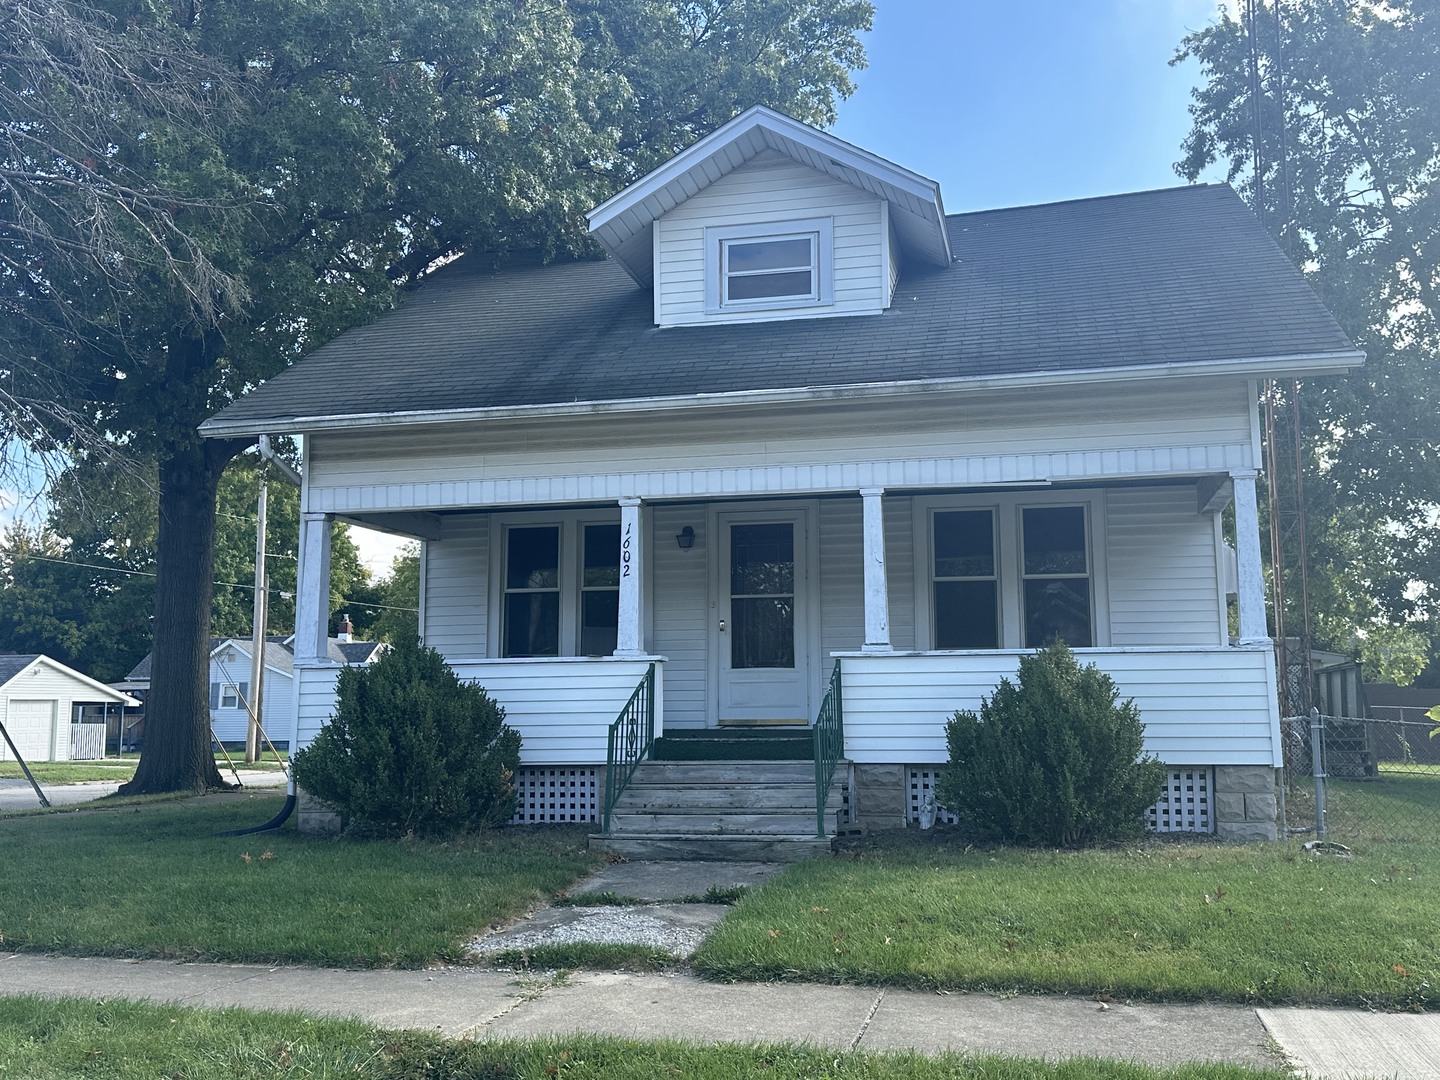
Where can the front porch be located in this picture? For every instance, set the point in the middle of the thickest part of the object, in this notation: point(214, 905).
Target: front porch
point(1210, 711)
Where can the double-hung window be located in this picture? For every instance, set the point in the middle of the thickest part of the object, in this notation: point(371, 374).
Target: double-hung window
point(229, 696)
point(560, 589)
point(769, 266)
point(1016, 573)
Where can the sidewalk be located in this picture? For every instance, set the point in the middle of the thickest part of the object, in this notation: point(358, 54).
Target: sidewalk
point(481, 1003)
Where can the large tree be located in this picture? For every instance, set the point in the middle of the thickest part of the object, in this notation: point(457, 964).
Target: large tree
point(1346, 113)
point(374, 138)
point(81, 588)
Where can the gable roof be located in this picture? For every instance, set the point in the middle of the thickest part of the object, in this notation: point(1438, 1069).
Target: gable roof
point(624, 224)
point(1169, 281)
point(13, 666)
point(279, 654)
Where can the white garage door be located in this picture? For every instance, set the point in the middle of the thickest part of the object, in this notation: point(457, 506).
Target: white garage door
point(32, 726)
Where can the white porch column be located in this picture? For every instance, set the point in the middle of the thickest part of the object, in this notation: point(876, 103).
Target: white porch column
point(1250, 573)
point(632, 566)
point(877, 596)
point(312, 592)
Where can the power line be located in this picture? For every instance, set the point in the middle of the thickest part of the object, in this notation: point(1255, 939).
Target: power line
point(284, 594)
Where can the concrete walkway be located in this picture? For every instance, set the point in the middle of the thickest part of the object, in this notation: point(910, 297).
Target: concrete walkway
point(483, 1003)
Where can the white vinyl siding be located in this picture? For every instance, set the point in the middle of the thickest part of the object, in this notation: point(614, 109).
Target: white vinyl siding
point(1212, 706)
point(1162, 563)
point(1090, 433)
point(457, 569)
point(38, 705)
point(767, 190)
point(680, 611)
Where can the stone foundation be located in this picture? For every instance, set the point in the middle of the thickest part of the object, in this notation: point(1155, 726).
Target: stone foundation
point(877, 799)
point(1246, 806)
point(315, 817)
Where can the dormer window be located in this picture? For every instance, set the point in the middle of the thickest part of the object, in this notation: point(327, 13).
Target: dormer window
point(783, 264)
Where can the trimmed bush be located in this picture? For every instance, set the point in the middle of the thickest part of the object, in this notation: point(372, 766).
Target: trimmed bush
point(413, 749)
point(1053, 759)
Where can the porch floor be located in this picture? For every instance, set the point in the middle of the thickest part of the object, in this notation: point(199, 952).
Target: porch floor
point(735, 744)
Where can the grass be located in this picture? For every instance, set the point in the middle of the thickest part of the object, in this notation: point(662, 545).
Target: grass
point(42, 1039)
point(150, 880)
point(1161, 921)
point(112, 769)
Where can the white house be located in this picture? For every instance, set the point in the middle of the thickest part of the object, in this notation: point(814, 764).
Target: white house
point(805, 446)
point(230, 669)
point(41, 706)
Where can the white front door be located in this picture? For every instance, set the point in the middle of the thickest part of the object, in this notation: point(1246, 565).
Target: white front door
point(762, 634)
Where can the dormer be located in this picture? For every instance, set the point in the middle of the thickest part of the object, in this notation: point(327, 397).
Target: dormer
point(767, 218)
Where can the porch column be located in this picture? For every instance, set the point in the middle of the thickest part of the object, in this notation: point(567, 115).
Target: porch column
point(1250, 573)
point(632, 566)
point(312, 592)
point(877, 596)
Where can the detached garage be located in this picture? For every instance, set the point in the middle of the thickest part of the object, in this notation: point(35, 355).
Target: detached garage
point(40, 702)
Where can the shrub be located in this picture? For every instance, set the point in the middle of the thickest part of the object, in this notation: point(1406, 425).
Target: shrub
point(412, 748)
point(1052, 760)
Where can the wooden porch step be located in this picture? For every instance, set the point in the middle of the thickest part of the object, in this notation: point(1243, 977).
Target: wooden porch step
point(724, 773)
point(720, 810)
point(706, 822)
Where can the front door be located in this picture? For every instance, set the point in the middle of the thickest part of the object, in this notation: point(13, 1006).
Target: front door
point(762, 629)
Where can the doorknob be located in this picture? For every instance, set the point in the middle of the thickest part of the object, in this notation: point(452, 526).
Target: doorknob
point(722, 626)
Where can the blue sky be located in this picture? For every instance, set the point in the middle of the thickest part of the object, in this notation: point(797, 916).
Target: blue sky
point(1039, 101)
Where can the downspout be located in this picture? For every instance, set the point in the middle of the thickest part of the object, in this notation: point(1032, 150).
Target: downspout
point(288, 474)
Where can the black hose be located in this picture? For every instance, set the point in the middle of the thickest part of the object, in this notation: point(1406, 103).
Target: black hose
point(274, 823)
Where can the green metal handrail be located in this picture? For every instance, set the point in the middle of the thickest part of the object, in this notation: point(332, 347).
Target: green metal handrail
point(829, 736)
point(631, 736)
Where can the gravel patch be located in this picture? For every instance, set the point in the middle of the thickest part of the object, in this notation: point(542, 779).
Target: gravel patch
point(677, 929)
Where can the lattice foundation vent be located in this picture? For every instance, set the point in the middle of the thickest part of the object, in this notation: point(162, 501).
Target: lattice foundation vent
point(920, 782)
point(1187, 805)
point(557, 794)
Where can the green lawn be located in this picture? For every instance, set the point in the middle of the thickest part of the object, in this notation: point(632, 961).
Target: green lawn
point(150, 880)
point(1157, 920)
point(49, 1040)
point(112, 769)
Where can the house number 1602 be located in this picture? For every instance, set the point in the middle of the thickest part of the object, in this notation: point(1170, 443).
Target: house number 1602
point(625, 553)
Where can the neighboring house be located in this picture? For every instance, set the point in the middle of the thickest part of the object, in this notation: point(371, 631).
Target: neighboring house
point(43, 705)
point(230, 669)
point(801, 416)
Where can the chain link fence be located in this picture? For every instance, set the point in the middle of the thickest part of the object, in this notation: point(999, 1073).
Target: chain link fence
point(1350, 779)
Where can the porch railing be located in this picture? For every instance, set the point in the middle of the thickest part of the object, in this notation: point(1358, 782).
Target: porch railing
point(631, 736)
point(829, 735)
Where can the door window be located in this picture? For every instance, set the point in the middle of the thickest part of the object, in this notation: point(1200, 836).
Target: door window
point(762, 596)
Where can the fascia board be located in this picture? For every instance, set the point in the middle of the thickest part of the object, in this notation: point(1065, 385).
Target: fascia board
point(782, 127)
point(1310, 364)
point(110, 692)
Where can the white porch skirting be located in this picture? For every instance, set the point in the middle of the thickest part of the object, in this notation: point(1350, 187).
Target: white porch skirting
point(562, 707)
point(1214, 705)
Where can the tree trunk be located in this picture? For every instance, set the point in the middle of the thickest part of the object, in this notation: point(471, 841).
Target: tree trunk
point(176, 754)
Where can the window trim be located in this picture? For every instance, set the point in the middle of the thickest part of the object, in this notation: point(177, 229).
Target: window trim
point(232, 691)
point(822, 230)
point(572, 573)
point(1008, 508)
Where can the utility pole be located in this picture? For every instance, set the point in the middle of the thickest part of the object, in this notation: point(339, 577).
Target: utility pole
point(257, 627)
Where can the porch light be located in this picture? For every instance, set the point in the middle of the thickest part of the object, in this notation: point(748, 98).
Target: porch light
point(686, 538)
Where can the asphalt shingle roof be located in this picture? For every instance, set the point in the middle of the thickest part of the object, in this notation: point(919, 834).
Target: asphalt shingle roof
point(279, 654)
point(10, 666)
point(1173, 276)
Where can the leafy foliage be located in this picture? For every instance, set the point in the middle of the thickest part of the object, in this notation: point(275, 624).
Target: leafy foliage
point(1349, 129)
point(358, 143)
point(413, 749)
point(82, 587)
point(1053, 759)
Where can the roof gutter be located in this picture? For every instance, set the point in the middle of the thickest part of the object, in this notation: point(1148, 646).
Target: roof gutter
point(1306, 364)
